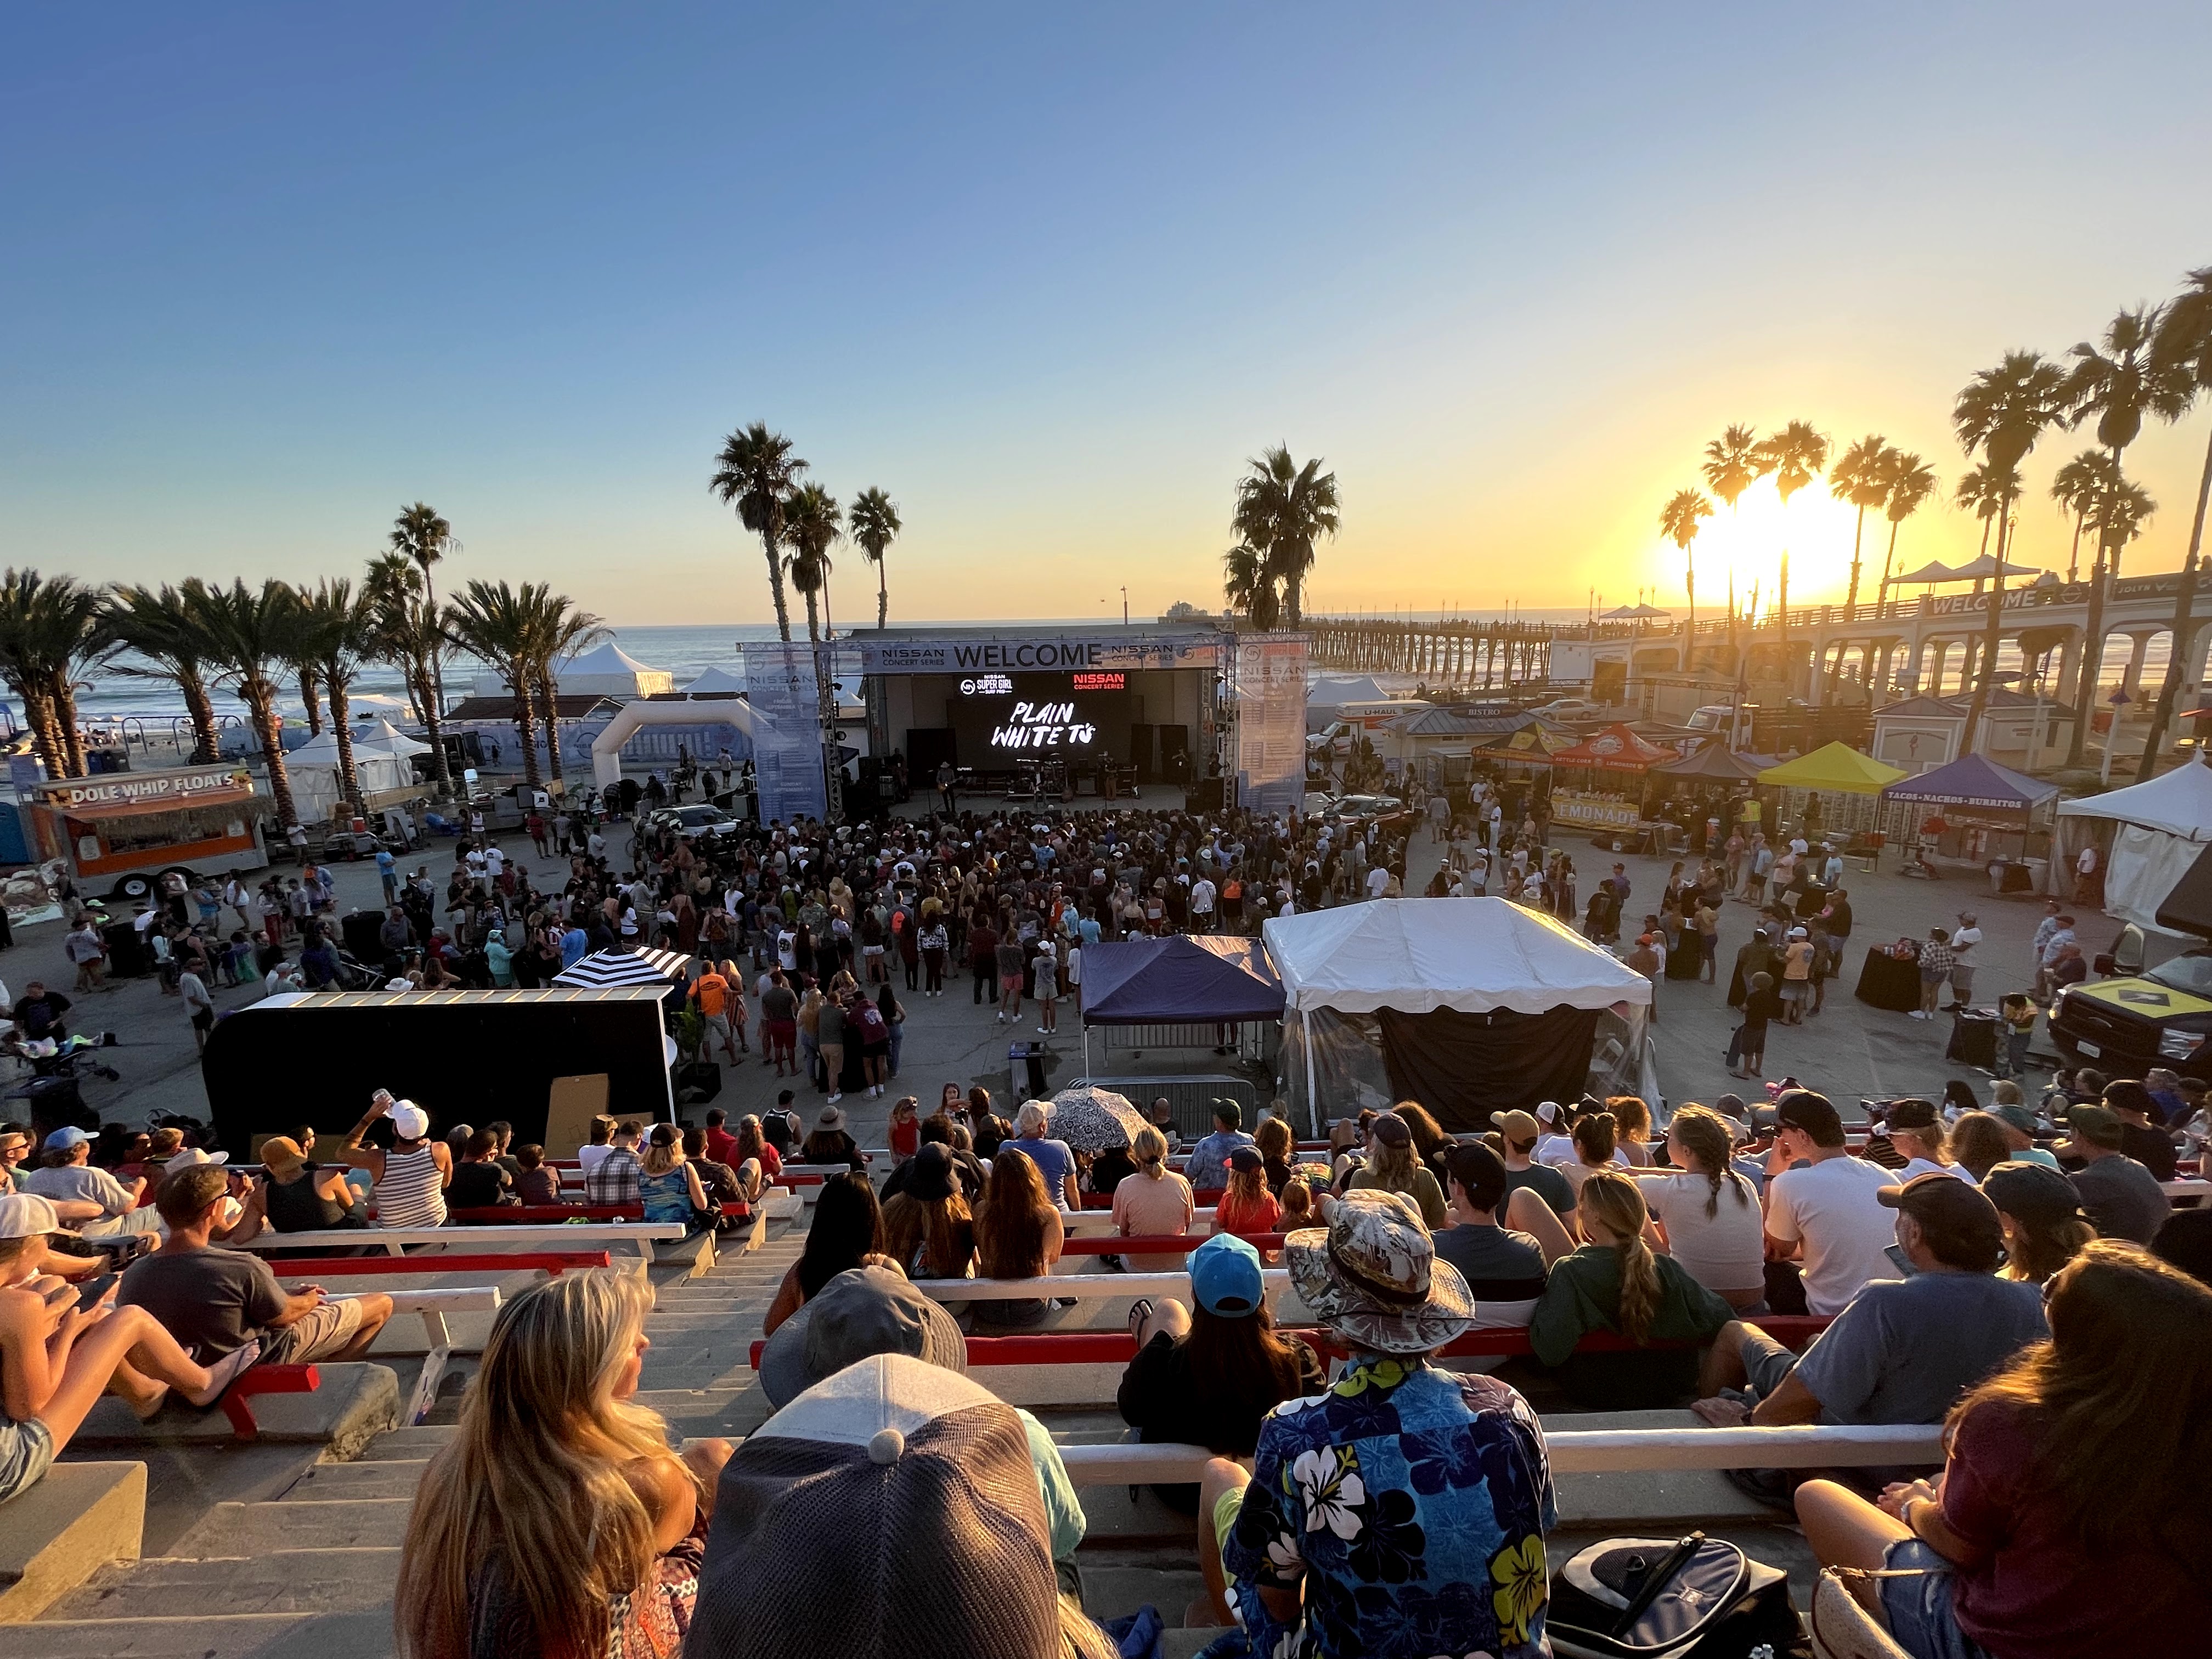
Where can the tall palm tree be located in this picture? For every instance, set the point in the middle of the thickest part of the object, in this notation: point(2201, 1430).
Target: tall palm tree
point(1985, 492)
point(496, 623)
point(2118, 379)
point(1861, 476)
point(560, 631)
point(812, 527)
point(1249, 585)
point(50, 632)
point(252, 636)
point(1911, 483)
point(754, 473)
point(337, 637)
point(406, 632)
point(2183, 346)
point(1283, 508)
point(874, 523)
point(425, 538)
point(1794, 456)
point(1678, 522)
point(1731, 466)
point(2000, 412)
point(160, 625)
point(2074, 487)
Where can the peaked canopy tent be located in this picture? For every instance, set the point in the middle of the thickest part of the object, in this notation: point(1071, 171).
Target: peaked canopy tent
point(1714, 762)
point(380, 752)
point(1974, 780)
point(607, 670)
point(716, 682)
point(1469, 1005)
point(1834, 787)
point(1332, 693)
point(1178, 980)
point(2149, 835)
point(1614, 749)
point(1974, 809)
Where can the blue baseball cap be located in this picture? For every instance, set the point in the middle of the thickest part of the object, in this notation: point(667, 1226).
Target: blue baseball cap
point(1224, 1276)
point(68, 1138)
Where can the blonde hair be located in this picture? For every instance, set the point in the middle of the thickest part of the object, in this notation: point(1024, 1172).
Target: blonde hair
point(1393, 1167)
point(566, 1524)
point(1273, 1137)
point(662, 1155)
point(1612, 1201)
point(1631, 1116)
point(1933, 1136)
point(1151, 1149)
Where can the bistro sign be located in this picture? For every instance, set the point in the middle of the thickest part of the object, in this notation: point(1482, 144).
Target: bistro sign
point(141, 788)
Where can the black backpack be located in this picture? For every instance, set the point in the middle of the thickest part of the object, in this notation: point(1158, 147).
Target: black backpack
point(1656, 1598)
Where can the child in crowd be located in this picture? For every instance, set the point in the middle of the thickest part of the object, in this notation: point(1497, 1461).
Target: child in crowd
point(538, 1183)
point(2018, 1012)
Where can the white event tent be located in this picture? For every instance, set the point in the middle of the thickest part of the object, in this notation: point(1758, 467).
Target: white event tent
point(2159, 827)
point(381, 756)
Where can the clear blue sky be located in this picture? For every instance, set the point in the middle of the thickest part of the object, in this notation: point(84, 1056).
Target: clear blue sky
point(1047, 274)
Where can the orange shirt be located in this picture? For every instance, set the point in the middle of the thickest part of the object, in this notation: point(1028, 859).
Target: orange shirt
point(711, 992)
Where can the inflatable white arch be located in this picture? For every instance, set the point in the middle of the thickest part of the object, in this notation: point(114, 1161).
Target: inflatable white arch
point(607, 747)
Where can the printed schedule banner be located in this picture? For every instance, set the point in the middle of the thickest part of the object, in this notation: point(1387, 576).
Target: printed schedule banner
point(1270, 721)
point(787, 749)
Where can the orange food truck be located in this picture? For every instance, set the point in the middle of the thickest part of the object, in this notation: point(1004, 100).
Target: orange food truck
point(121, 832)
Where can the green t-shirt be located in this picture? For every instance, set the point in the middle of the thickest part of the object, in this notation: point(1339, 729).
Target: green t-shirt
point(1583, 1295)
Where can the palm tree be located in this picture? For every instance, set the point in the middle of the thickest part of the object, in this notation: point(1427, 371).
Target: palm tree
point(1677, 523)
point(1731, 466)
point(406, 631)
point(2118, 379)
point(810, 528)
point(1249, 587)
point(1794, 456)
point(500, 626)
point(425, 537)
point(2075, 487)
point(160, 625)
point(873, 523)
point(337, 627)
point(2002, 411)
point(252, 636)
point(1283, 509)
point(754, 473)
point(49, 631)
point(1861, 476)
point(560, 631)
point(1911, 483)
point(2183, 346)
point(1985, 491)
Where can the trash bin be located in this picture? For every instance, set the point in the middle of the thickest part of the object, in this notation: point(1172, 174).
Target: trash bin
point(1025, 1070)
point(127, 955)
point(2039, 874)
point(1973, 1039)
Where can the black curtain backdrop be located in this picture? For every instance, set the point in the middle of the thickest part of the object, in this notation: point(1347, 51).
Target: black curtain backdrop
point(1465, 1066)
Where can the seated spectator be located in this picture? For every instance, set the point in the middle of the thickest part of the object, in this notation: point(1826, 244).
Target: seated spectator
point(58, 1357)
point(480, 1180)
point(539, 1183)
point(1154, 1203)
point(1916, 1132)
point(1161, 1116)
point(1108, 1170)
point(592, 1545)
point(1518, 1143)
point(1979, 1143)
point(295, 1196)
point(668, 1187)
point(1504, 1271)
point(721, 1184)
point(1019, 1234)
point(66, 1176)
point(2142, 1136)
point(601, 1133)
point(938, 1129)
point(410, 1179)
point(1208, 1170)
point(2041, 1214)
point(1278, 1147)
point(1596, 1147)
point(753, 1146)
point(1632, 1121)
point(1708, 1211)
point(721, 1144)
point(1429, 1140)
point(1828, 1214)
point(2067, 1520)
point(2122, 1198)
point(829, 1143)
point(847, 1232)
point(1904, 1349)
point(1403, 1511)
point(1247, 1206)
point(945, 1510)
point(2020, 1126)
point(928, 1228)
point(216, 1302)
point(615, 1178)
point(1298, 1205)
point(2164, 1085)
point(1055, 1161)
point(1392, 1167)
point(1208, 1374)
point(1616, 1283)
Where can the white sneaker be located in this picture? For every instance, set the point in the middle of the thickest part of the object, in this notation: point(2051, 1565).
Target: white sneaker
point(833, 1099)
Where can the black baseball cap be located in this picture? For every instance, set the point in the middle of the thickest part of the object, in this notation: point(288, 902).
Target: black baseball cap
point(1812, 1114)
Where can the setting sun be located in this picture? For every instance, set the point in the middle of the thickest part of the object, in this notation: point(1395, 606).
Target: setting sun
point(1749, 540)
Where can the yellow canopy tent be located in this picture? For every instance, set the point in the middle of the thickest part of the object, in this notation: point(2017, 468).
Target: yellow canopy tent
point(1836, 768)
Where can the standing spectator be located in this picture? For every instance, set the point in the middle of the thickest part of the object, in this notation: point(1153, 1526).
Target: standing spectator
point(1762, 1006)
point(1208, 1168)
point(1964, 959)
point(2053, 947)
point(1829, 1214)
point(85, 947)
point(1935, 964)
point(2085, 875)
point(199, 1005)
point(2122, 1197)
point(1797, 954)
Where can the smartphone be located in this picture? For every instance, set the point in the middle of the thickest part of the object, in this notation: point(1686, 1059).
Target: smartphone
point(92, 1290)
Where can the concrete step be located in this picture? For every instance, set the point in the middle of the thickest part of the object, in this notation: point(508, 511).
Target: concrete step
point(77, 1518)
point(248, 1530)
point(355, 1402)
point(406, 1445)
point(283, 1581)
point(329, 1483)
point(359, 1635)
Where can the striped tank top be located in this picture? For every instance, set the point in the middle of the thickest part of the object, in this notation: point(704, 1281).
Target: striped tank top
point(410, 1193)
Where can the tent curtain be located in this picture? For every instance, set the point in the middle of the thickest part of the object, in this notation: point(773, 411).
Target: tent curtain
point(1465, 1066)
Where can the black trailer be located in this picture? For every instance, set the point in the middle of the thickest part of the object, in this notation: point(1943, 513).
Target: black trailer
point(464, 1056)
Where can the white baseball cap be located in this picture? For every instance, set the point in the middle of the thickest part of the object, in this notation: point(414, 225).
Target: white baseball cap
point(26, 1215)
point(411, 1121)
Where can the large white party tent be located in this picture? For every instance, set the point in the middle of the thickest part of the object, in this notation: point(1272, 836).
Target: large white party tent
point(380, 752)
point(1473, 1005)
point(716, 682)
point(2157, 830)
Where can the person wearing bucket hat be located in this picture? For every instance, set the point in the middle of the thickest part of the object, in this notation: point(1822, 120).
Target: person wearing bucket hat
point(1408, 1502)
point(2041, 1214)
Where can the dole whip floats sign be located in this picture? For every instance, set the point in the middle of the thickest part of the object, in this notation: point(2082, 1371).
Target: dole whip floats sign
point(1044, 726)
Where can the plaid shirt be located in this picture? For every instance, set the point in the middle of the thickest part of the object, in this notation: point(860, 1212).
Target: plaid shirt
point(615, 1181)
point(1936, 960)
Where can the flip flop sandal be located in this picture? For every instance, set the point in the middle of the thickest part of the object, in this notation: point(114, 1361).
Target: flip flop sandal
point(1139, 1311)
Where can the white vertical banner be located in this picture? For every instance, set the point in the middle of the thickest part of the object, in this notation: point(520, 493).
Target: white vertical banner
point(780, 687)
point(1270, 721)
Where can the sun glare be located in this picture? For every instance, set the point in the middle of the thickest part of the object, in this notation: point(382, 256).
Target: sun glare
point(1749, 540)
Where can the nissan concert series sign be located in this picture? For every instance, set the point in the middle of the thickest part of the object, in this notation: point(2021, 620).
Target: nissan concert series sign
point(142, 788)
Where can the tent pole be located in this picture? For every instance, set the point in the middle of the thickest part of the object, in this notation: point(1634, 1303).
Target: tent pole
point(1087, 1052)
point(1313, 1097)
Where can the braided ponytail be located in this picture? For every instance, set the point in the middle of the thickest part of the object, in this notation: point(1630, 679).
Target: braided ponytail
point(1613, 1201)
point(1707, 1138)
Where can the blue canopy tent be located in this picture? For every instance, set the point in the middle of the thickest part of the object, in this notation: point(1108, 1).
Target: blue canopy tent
point(1974, 780)
point(1975, 810)
point(1215, 979)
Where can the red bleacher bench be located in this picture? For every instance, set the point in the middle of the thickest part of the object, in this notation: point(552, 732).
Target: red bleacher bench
point(492, 1215)
point(1159, 1244)
point(238, 1399)
point(337, 1266)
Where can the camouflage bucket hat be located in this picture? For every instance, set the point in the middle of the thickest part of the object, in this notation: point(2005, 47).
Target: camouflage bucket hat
point(1373, 1277)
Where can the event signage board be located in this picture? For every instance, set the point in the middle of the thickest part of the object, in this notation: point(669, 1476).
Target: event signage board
point(786, 701)
point(1593, 812)
point(1270, 721)
point(1010, 654)
point(149, 789)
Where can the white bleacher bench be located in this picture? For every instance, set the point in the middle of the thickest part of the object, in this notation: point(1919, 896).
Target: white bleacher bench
point(434, 1305)
point(1589, 1451)
point(1079, 1287)
point(1099, 1224)
point(640, 1236)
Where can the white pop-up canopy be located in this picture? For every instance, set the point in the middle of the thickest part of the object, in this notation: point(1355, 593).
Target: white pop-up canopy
point(2160, 827)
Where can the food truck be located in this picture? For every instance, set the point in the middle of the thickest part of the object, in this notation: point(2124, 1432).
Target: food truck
point(121, 832)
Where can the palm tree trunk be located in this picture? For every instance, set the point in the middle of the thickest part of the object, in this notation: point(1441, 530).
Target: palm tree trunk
point(1782, 593)
point(776, 583)
point(45, 738)
point(425, 691)
point(2092, 664)
point(309, 683)
point(1986, 681)
point(348, 774)
point(1293, 598)
point(882, 594)
point(550, 712)
point(2183, 632)
point(2073, 553)
point(526, 725)
point(201, 710)
point(1881, 595)
point(826, 713)
point(437, 665)
point(261, 703)
point(65, 717)
point(1852, 596)
point(1690, 587)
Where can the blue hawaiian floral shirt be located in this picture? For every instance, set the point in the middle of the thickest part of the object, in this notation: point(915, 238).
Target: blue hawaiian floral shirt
point(1412, 1503)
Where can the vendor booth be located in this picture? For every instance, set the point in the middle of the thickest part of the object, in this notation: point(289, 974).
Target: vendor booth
point(2148, 835)
point(1599, 783)
point(1975, 811)
point(1468, 1006)
point(1216, 984)
point(1838, 787)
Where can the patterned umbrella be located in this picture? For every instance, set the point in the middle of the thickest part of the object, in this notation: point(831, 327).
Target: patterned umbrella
point(1092, 1120)
point(604, 967)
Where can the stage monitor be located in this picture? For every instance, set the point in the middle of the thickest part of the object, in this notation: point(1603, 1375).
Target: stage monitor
point(999, 720)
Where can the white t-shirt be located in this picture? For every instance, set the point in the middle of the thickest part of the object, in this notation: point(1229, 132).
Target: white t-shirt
point(1833, 1208)
point(1723, 1251)
point(1916, 1167)
point(1377, 880)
